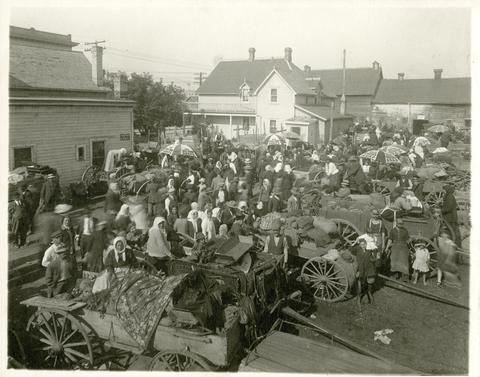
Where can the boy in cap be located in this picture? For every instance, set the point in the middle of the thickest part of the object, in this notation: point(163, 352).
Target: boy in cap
point(61, 273)
point(50, 254)
point(276, 243)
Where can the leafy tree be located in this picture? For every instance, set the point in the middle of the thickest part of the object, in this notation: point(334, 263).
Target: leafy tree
point(156, 105)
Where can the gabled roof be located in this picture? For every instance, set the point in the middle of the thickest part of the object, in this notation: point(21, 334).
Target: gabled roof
point(42, 68)
point(322, 112)
point(294, 79)
point(358, 81)
point(447, 91)
point(228, 76)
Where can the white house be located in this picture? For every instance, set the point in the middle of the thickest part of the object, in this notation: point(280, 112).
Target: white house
point(261, 96)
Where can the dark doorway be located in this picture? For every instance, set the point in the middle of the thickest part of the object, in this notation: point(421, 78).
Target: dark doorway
point(98, 153)
point(417, 126)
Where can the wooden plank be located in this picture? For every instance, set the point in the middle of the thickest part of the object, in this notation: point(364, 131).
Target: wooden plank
point(53, 303)
point(310, 356)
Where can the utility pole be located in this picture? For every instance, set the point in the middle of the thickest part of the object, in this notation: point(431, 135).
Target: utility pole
point(343, 99)
point(199, 78)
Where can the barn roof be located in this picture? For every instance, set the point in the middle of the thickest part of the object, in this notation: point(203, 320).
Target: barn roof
point(323, 112)
point(447, 91)
point(228, 76)
point(43, 68)
point(358, 81)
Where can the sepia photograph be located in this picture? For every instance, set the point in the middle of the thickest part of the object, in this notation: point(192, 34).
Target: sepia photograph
point(238, 186)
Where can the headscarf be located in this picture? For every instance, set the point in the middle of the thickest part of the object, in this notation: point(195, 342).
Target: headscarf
point(120, 254)
point(232, 166)
point(157, 221)
point(123, 211)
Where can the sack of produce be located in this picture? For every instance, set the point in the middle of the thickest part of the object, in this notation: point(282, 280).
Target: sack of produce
point(304, 222)
point(326, 225)
point(267, 220)
point(320, 238)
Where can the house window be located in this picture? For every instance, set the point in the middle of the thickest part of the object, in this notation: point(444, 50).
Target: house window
point(81, 152)
point(98, 153)
point(295, 130)
point(22, 156)
point(273, 125)
point(273, 95)
point(246, 124)
point(244, 94)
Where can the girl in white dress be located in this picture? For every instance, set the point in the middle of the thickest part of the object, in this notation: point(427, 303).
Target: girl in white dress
point(420, 265)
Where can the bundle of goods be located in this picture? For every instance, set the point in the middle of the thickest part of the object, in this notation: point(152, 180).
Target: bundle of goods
point(354, 203)
point(311, 199)
point(442, 155)
point(312, 230)
point(267, 220)
point(430, 172)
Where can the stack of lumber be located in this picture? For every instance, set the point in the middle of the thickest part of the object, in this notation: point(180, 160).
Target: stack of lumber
point(287, 353)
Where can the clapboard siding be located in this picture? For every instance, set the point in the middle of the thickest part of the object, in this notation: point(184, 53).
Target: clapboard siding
point(55, 131)
point(359, 106)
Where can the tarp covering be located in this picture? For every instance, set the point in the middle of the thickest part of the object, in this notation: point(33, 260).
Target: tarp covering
point(140, 299)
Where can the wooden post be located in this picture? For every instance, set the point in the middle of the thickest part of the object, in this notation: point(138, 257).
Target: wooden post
point(330, 136)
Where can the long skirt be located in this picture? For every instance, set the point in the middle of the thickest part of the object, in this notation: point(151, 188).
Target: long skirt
point(399, 258)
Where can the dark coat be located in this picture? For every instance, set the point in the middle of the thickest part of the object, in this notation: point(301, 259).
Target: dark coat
point(191, 229)
point(60, 276)
point(449, 208)
point(274, 204)
point(112, 201)
point(111, 263)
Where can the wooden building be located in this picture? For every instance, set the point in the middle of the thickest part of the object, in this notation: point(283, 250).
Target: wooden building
point(361, 85)
point(404, 102)
point(60, 114)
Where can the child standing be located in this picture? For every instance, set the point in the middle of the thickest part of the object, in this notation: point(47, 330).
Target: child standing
point(420, 265)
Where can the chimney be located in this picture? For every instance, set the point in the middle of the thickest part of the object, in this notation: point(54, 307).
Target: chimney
point(307, 69)
point(119, 85)
point(437, 74)
point(288, 54)
point(376, 65)
point(401, 76)
point(251, 54)
point(97, 65)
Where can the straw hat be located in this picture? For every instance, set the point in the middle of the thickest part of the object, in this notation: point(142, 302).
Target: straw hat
point(62, 208)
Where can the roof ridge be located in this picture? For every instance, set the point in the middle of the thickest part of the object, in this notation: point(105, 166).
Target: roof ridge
point(247, 61)
point(340, 69)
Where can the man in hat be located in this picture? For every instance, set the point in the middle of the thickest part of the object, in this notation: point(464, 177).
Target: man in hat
point(449, 212)
point(61, 273)
point(194, 224)
point(399, 251)
point(29, 203)
point(85, 230)
point(229, 214)
point(204, 197)
point(355, 175)
point(18, 213)
point(50, 253)
point(275, 203)
point(293, 202)
point(276, 243)
point(48, 194)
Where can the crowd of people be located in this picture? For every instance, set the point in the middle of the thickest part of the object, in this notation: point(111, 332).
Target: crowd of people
point(223, 196)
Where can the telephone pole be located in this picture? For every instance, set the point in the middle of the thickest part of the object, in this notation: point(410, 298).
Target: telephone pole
point(199, 78)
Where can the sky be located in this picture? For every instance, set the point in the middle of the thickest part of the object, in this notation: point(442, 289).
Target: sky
point(174, 39)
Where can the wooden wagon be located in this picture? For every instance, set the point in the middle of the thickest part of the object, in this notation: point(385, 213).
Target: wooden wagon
point(67, 335)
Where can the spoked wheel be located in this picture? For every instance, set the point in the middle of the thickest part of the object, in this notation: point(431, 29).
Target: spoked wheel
point(178, 361)
point(89, 176)
point(327, 279)
point(347, 231)
point(59, 340)
point(431, 247)
point(434, 199)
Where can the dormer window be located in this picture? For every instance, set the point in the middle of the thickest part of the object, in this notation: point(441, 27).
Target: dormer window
point(244, 93)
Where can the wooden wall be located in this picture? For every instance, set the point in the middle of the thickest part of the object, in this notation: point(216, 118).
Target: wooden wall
point(56, 131)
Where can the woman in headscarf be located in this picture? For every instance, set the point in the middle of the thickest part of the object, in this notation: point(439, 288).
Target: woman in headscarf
point(119, 256)
point(122, 221)
point(158, 248)
point(216, 218)
point(399, 254)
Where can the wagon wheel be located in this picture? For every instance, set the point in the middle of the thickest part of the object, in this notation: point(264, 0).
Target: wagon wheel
point(89, 176)
point(178, 361)
point(60, 340)
point(347, 231)
point(143, 186)
point(432, 249)
point(434, 199)
point(327, 279)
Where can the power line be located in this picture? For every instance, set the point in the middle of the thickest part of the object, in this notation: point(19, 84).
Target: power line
point(151, 60)
point(136, 53)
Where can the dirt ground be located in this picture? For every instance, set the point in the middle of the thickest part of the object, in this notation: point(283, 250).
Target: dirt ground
point(428, 336)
